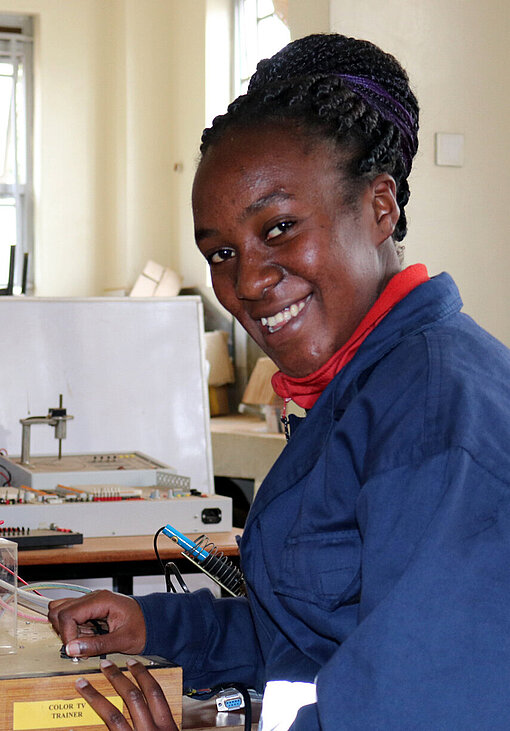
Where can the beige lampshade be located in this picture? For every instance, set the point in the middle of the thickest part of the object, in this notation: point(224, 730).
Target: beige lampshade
point(259, 391)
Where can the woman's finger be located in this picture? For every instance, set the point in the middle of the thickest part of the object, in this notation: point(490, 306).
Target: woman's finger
point(131, 694)
point(156, 701)
point(111, 715)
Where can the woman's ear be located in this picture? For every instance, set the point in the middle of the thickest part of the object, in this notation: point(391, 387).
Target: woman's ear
point(386, 209)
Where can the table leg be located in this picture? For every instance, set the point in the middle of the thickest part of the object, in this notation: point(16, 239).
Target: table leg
point(122, 584)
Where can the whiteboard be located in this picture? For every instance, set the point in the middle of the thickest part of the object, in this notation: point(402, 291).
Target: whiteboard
point(131, 371)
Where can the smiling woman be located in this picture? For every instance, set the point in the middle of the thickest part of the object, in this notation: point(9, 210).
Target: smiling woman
point(375, 553)
point(318, 153)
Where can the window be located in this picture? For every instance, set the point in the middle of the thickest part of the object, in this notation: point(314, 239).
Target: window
point(16, 207)
point(261, 31)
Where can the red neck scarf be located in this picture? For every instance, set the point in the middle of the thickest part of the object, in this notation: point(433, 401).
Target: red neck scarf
point(305, 391)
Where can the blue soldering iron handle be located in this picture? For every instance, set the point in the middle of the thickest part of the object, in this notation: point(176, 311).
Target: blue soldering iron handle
point(212, 562)
point(186, 543)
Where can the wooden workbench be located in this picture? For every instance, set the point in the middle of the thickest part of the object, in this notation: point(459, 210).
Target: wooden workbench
point(118, 557)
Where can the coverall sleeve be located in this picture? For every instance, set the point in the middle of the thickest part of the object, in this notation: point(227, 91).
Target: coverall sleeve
point(213, 640)
point(432, 646)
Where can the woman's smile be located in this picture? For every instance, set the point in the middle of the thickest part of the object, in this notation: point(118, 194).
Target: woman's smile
point(276, 322)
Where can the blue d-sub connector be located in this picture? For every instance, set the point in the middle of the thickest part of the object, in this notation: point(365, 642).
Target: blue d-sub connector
point(229, 700)
point(231, 703)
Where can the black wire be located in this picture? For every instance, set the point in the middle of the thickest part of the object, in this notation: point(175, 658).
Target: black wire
point(169, 568)
point(247, 705)
point(155, 543)
point(172, 570)
point(168, 581)
point(164, 567)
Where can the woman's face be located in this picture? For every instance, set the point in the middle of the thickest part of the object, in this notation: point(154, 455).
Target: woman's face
point(293, 262)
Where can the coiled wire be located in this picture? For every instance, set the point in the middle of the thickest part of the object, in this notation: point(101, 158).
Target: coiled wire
point(217, 566)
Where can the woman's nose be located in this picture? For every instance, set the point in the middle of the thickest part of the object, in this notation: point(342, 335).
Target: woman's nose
point(255, 274)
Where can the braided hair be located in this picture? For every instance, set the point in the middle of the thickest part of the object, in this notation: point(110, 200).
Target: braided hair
point(340, 89)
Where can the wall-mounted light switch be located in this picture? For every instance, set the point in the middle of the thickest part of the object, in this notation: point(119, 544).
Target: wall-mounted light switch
point(449, 149)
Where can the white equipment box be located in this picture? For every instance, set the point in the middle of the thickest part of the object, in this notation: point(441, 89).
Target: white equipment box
point(126, 517)
point(131, 372)
point(111, 494)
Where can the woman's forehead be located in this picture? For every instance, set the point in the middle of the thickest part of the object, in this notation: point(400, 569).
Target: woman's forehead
point(273, 156)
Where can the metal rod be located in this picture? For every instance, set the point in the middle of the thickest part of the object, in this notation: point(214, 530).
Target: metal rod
point(25, 444)
point(25, 274)
point(10, 284)
point(60, 404)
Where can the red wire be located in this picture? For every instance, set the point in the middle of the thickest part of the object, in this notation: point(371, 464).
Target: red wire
point(18, 577)
point(8, 479)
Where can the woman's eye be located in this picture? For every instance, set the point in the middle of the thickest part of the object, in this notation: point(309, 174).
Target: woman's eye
point(280, 228)
point(221, 255)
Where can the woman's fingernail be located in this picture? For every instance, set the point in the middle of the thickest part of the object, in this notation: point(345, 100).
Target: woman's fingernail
point(74, 648)
point(130, 661)
point(81, 683)
point(106, 664)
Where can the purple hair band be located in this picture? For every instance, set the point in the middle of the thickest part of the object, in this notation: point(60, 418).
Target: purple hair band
point(390, 109)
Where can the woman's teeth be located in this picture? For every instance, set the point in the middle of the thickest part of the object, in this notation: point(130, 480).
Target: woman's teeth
point(285, 315)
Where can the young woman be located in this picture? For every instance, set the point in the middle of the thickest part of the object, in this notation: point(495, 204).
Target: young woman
point(376, 550)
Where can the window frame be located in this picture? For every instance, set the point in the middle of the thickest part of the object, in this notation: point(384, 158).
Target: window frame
point(16, 46)
point(242, 26)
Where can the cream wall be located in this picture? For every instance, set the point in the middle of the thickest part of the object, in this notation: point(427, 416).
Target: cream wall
point(164, 86)
point(119, 110)
point(457, 54)
point(308, 16)
point(121, 104)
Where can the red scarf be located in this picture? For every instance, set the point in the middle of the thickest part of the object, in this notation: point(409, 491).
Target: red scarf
point(305, 391)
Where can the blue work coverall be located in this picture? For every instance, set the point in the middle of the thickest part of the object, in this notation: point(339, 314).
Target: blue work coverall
point(377, 550)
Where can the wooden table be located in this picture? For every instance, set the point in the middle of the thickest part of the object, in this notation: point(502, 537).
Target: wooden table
point(118, 557)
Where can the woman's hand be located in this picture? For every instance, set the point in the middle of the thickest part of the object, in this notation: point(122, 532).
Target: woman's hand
point(146, 702)
point(123, 615)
